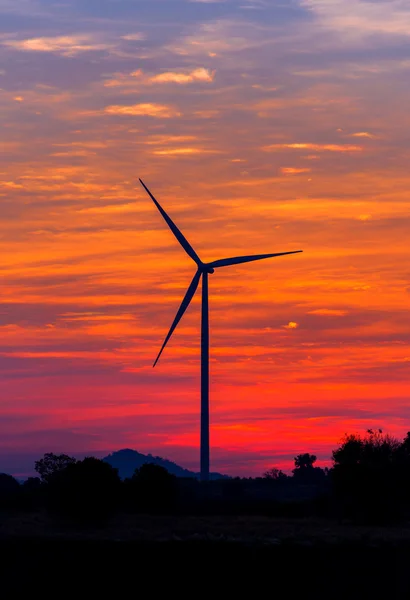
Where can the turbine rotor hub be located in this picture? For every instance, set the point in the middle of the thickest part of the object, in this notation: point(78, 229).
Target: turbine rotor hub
point(207, 269)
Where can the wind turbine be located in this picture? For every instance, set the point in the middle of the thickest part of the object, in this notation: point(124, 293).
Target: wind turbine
point(203, 270)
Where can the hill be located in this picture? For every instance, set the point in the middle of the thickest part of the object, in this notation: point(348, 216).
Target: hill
point(126, 461)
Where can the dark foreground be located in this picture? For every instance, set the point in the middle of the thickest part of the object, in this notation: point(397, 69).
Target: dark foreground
point(242, 555)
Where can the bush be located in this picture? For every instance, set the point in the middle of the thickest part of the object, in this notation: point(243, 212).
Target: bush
point(10, 492)
point(371, 477)
point(152, 489)
point(87, 490)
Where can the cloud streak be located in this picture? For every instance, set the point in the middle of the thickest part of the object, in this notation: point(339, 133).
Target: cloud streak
point(315, 147)
point(201, 74)
point(159, 111)
point(67, 45)
point(360, 17)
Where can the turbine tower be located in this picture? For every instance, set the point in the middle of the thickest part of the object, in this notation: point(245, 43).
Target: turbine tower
point(203, 270)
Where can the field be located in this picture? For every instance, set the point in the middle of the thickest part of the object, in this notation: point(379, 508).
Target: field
point(316, 558)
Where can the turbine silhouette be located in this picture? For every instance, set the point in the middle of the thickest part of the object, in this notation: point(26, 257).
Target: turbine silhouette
point(203, 270)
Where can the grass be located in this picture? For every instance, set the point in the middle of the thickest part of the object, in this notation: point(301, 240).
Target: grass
point(244, 529)
point(248, 556)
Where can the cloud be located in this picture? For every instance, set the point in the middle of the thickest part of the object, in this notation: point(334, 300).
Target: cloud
point(182, 151)
point(328, 312)
point(159, 111)
point(362, 17)
point(133, 37)
point(316, 147)
point(138, 78)
point(68, 45)
point(294, 171)
point(73, 153)
point(169, 139)
point(23, 7)
point(291, 325)
point(219, 37)
point(200, 74)
point(363, 134)
point(207, 113)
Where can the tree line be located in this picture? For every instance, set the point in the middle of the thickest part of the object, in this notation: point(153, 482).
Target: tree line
point(369, 481)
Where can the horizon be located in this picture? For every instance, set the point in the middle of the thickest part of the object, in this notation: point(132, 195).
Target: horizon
point(22, 465)
point(260, 127)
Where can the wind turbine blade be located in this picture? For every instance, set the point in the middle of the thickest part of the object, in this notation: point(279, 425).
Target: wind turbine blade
point(177, 233)
point(184, 305)
point(238, 260)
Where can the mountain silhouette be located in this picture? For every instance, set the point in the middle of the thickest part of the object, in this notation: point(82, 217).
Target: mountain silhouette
point(126, 461)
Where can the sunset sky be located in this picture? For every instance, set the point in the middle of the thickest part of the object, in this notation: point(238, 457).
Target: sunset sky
point(261, 126)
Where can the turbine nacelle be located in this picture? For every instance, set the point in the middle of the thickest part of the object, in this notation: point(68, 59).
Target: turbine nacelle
point(204, 268)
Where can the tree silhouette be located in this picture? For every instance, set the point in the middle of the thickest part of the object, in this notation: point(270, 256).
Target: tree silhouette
point(371, 475)
point(305, 461)
point(51, 463)
point(88, 490)
point(304, 468)
point(153, 489)
point(369, 480)
point(33, 493)
point(9, 491)
point(275, 474)
point(8, 484)
point(406, 444)
point(305, 472)
point(32, 484)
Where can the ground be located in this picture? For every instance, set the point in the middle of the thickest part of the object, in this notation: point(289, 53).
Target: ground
point(245, 529)
point(309, 558)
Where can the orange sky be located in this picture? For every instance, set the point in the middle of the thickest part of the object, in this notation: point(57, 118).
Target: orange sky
point(261, 127)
